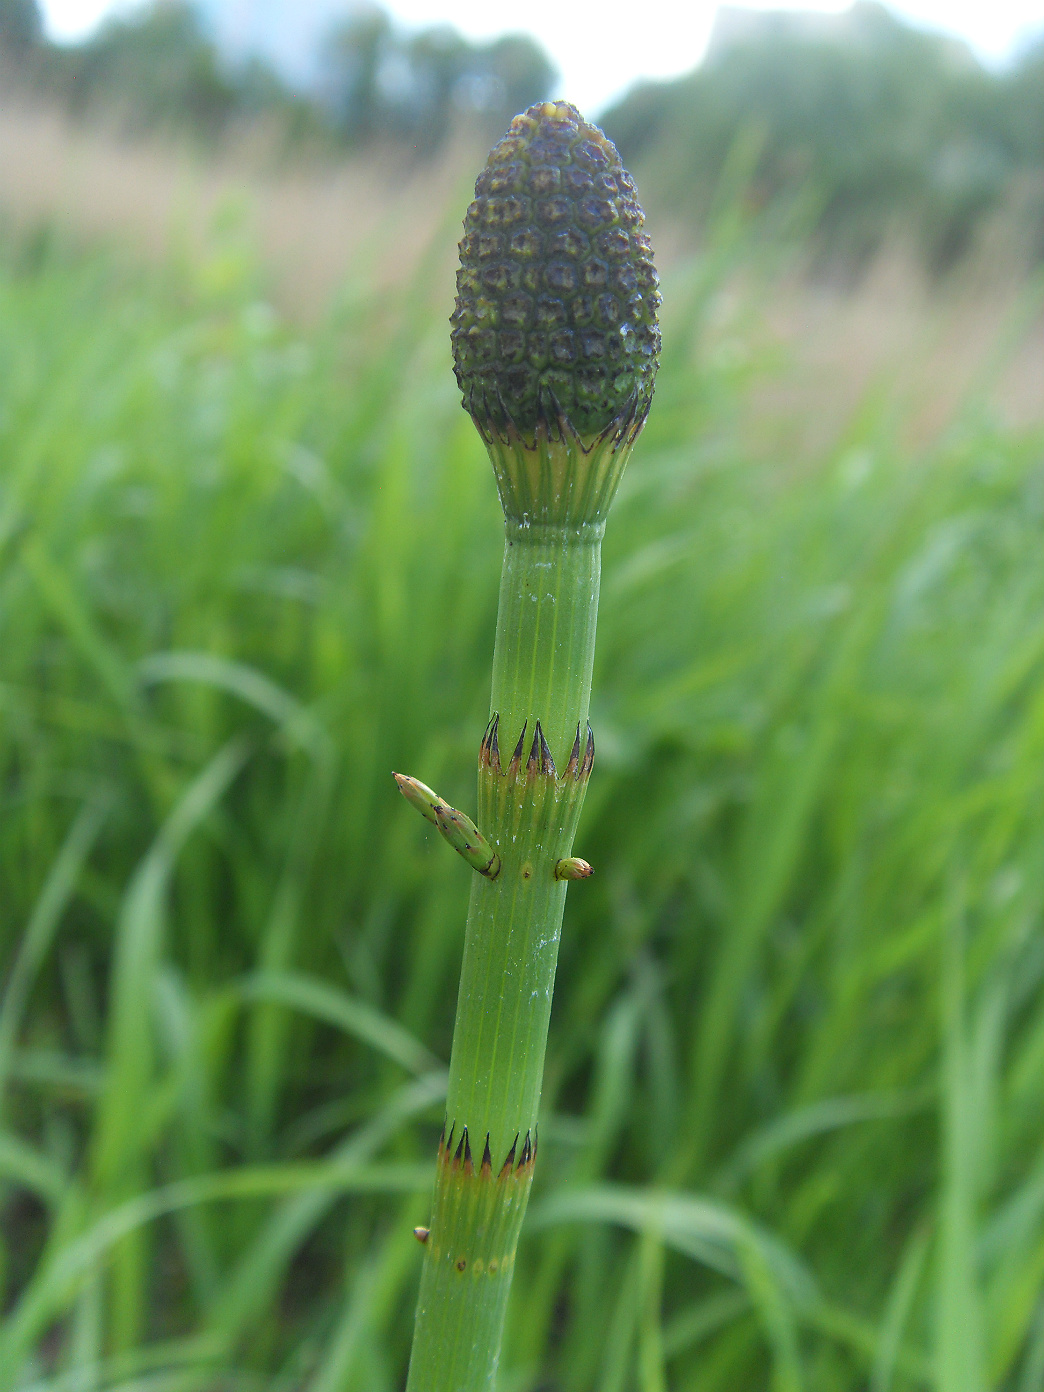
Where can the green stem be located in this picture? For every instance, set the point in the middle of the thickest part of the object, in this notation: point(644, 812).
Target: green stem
point(544, 652)
point(555, 348)
point(530, 794)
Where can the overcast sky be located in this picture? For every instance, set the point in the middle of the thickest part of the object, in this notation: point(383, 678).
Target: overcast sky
point(598, 57)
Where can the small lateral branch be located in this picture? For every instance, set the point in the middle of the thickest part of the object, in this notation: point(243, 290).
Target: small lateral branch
point(457, 828)
point(419, 795)
point(466, 839)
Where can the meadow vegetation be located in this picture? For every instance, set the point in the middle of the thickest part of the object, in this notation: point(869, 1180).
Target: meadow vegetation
point(863, 122)
point(792, 1134)
point(869, 123)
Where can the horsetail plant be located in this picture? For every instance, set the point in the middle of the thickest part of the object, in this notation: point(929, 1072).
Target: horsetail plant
point(556, 345)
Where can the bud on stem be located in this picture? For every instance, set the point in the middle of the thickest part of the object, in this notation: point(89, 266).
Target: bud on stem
point(573, 868)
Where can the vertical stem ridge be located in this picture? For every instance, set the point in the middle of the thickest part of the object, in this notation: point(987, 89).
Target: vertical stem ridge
point(544, 652)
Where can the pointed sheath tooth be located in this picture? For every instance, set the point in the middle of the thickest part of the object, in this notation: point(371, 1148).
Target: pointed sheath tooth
point(508, 1164)
point(494, 746)
point(458, 1154)
point(487, 1158)
point(547, 764)
point(466, 839)
point(527, 1153)
point(516, 758)
point(489, 754)
point(419, 795)
point(447, 1145)
point(588, 761)
point(573, 765)
point(533, 762)
point(573, 868)
point(469, 1168)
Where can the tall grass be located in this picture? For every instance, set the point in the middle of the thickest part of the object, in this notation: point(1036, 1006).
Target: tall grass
point(794, 1133)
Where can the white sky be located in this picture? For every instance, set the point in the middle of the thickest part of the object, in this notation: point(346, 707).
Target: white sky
point(601, 46)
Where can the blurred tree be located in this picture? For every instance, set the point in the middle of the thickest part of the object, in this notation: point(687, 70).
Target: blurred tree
point(1025, 108)
point(158, 63)
point(520, 71)
point(20, 25)
point(356, 55)
point(411, 87)
point(159, 66)
point(881, 121)
point(883, 125)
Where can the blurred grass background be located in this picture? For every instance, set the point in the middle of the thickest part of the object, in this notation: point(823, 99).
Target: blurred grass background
point(793, 1133)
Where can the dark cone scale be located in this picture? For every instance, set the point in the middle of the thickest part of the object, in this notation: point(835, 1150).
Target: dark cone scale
point(556, 292)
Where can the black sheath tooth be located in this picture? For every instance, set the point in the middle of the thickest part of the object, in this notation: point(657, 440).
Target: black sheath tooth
point(527, 1153)
point(516, 758)
point(458, 1154)
point(487, 1159)
point(588, 763)
point(447, 1142)
point(484, 746)
point(547, 764)
point(573, 766)
point(509, 1162)
point(489, 750)
point(468, 1166)
point(533, 762)
point(493, 746)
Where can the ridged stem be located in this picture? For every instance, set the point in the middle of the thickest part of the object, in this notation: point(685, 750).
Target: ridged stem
point(530, 794)
point(546, 632)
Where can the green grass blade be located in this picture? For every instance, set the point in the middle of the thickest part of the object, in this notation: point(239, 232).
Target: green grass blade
point(57, 891)
point(334, 1007)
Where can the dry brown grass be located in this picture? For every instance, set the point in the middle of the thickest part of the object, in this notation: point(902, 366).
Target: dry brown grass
point(927, 348)
point(923, 347)
point(312, 226)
